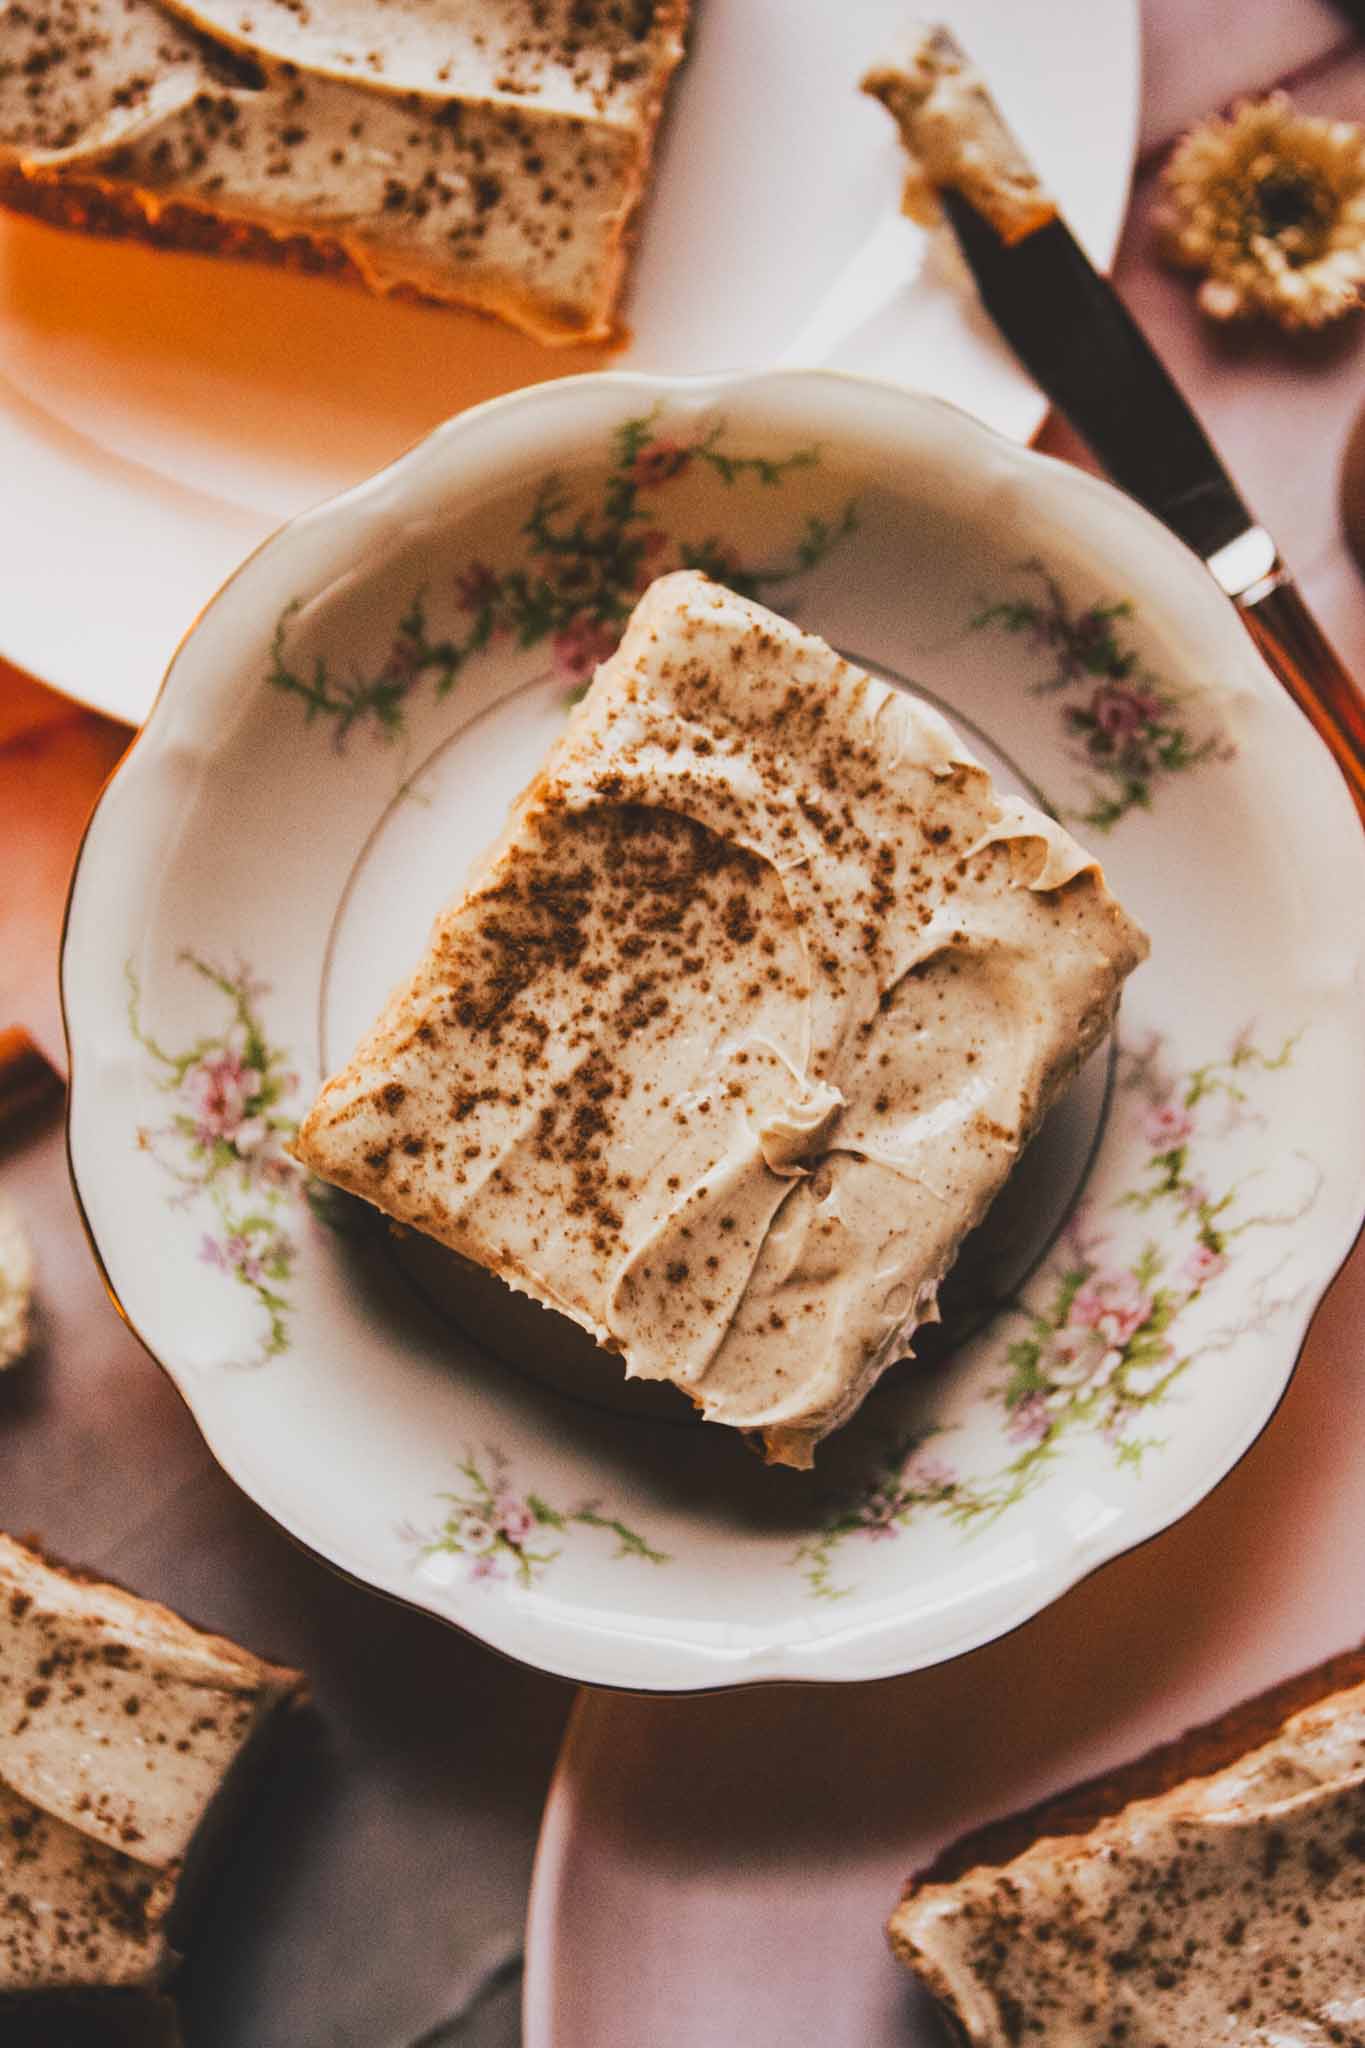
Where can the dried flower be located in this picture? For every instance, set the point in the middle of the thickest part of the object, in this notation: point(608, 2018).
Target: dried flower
point(1271, 204)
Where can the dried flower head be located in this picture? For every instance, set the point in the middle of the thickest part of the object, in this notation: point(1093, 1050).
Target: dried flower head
point(1271, 204)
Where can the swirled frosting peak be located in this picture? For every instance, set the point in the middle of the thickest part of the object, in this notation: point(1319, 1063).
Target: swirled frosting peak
point(741, 1025)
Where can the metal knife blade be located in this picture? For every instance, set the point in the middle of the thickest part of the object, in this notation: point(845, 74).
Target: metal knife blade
point(1075, 336)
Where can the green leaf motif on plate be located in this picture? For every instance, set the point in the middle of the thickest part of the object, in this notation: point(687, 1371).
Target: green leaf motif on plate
point(1099, 1348)
point(582, 570)
point(1131, 730)
point(223, 1141)
point(500, 1531)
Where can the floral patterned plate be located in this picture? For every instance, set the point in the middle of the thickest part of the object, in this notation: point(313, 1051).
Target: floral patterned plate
point(339, 737)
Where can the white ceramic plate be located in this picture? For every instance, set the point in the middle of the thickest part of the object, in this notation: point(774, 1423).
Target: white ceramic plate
point(160, 414)
point(339, 738)
point(721, 1869)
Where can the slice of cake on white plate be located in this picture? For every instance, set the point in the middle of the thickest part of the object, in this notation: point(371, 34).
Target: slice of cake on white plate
point(123, 1736)
point(492, 154)
point(737, 1030)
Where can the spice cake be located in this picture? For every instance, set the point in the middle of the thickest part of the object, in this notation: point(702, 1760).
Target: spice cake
point(742, 1023)
point(486, 153)
point(1212, 1891)
point(120, 1727)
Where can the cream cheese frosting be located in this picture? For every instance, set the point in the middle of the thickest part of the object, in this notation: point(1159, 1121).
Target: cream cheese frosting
point(488, 152)
point(954, 136)
point(1231, 1910)
point(118, 1725)
point(741, 1025)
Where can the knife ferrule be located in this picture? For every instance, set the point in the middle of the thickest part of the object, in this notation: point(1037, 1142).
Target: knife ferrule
point(1246, 568)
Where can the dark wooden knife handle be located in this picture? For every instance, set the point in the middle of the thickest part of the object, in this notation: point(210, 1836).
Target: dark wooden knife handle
point(1294, 645)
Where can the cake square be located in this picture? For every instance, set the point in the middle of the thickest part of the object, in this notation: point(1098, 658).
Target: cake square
point(492, 155)
point(740, 1026)
point(1209, 1890)
point(122, 1732)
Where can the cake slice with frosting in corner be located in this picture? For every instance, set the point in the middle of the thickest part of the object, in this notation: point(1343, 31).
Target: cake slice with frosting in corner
point(1210, 1891)
point(737, 1030)
point(124, 1734)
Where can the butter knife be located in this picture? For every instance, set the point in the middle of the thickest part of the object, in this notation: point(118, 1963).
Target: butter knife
point(1072, 332)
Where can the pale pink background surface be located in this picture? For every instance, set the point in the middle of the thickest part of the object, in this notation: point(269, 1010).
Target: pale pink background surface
point(382, 1891)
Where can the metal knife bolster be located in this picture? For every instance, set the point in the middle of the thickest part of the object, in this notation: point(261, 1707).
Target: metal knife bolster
point(1294, 646)
point(1248, 568)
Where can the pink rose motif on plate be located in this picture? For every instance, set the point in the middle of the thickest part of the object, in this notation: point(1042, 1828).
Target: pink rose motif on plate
point(474, 1532)
point(581, 645)
point(1203, 1264)
point(224, 1143)
point(1029, 1420)
point(220, 1088)
point(244, 1260)
point(1115, 1306)
point(585, 552)
point(1120, 712)
point(1078, 1357)
point(658, 461)
point(925, 1471)
point(245, 1257)
point(1167, 1125)
point(879, 1507)
point(476, 586)
point(1100, 1341)
point(1133, 732)
point(490, 1528)
point(515, 1520)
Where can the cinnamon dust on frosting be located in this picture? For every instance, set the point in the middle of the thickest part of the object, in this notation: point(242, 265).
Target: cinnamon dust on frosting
point(739, 1028)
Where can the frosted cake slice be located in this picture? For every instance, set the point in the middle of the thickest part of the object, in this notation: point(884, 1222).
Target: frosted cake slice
point(1210, 1891)
point(120, 1726)
point(489, 153)
point(740, 1026)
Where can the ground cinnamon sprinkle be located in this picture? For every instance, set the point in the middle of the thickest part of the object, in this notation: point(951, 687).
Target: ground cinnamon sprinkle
point(626, 890)
point(751, 924)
